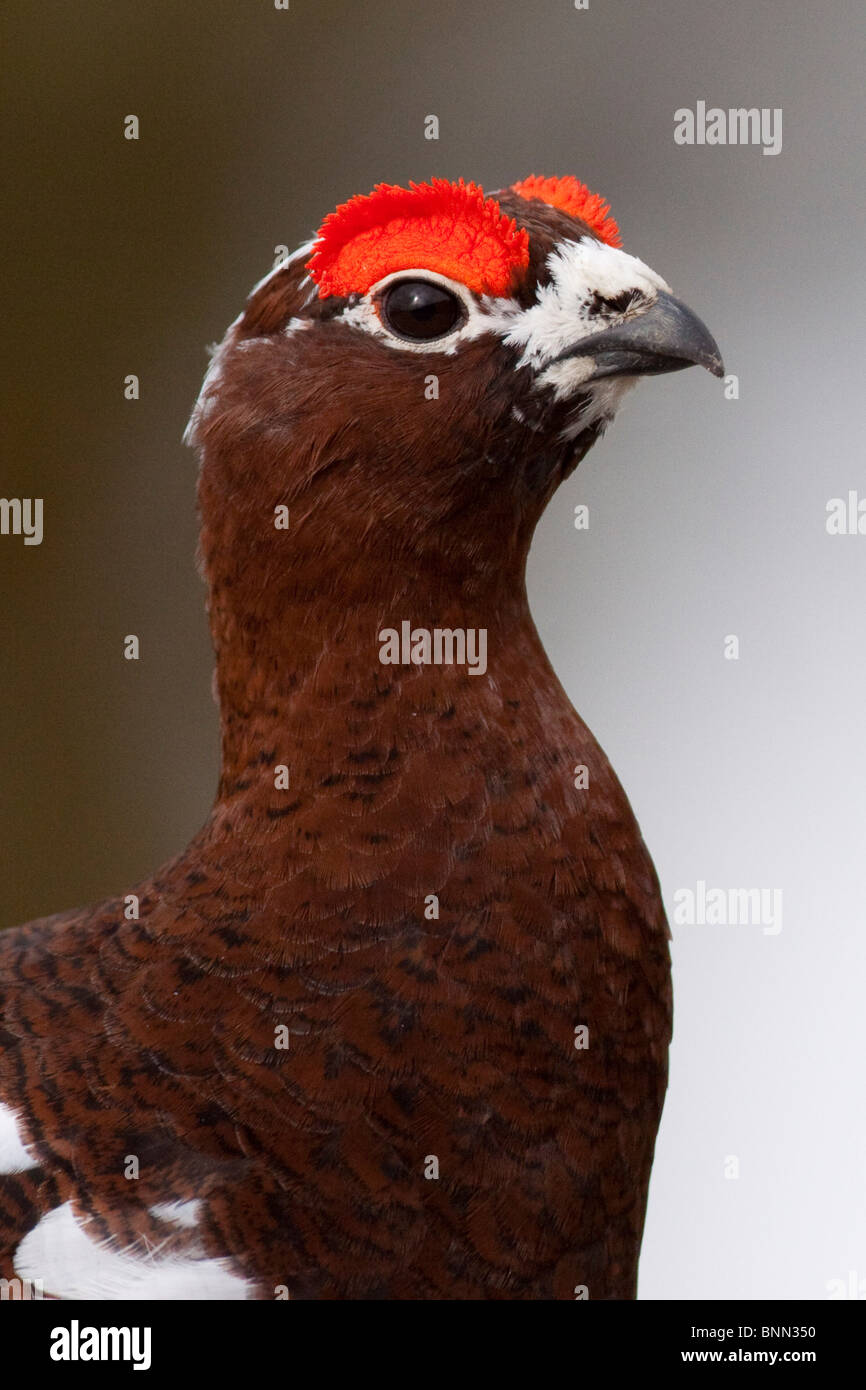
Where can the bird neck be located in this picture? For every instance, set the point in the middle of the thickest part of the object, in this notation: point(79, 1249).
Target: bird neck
point(324, 688)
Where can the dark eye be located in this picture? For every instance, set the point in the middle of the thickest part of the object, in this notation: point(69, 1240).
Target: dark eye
point(420, 309)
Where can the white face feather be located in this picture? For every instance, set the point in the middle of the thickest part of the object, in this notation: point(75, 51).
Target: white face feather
point(561, 315)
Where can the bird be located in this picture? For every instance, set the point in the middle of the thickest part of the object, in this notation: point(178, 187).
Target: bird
point(395, 1024)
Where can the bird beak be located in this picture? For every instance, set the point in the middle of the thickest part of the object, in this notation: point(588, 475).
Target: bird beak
point(665, 338)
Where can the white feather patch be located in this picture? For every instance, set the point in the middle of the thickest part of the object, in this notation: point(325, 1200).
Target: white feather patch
point(206, 396)
point(605, 397)
point(299, 251)
point(562, 312)
point(60, 1253)
point(184, 1214)
point(205, 399)
point(14, 1155)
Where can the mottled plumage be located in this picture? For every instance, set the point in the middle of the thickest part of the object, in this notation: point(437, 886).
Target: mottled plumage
point(305, 1167)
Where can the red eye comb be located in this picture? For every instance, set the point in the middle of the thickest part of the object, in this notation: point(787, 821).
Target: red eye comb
point(450, 228)
point(573, 197)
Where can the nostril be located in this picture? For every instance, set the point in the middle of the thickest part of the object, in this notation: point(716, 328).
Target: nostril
point(605, 306)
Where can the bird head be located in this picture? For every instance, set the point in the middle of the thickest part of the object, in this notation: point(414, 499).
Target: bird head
point(414, 384)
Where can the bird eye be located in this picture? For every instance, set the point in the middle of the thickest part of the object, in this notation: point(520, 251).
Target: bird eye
point(420, 309)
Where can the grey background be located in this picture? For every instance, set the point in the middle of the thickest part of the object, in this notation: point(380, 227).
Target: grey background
point(707, 515)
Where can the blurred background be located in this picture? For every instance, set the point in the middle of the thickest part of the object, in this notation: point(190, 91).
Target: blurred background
point(707, 515)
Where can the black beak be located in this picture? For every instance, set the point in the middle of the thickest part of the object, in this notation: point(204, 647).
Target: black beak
point(665, 338)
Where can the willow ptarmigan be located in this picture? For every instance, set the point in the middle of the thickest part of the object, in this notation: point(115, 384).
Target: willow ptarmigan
point(395, 1025)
